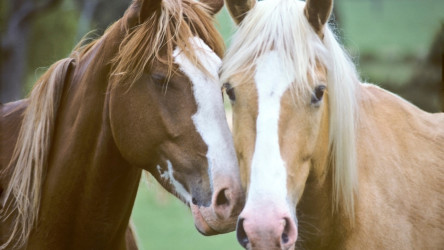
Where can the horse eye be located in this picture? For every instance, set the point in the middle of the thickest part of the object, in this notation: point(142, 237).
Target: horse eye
point(318, 94)
point(230, 91)
point(159, 79)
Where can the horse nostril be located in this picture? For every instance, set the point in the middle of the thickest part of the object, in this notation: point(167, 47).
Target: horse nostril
point(284, 235)
point(284, 238)
point(223, 206)
point(222, 199)
point(241, 234)
point(194, 201)
point(289, 233)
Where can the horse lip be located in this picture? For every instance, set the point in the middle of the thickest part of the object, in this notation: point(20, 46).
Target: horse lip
point(200, 223)
point(214, 232)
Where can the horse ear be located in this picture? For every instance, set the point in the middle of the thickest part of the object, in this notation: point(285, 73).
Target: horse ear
point(317, 13)
point(239, 8)
point(148, 8)
point(214, 5)
point(139, 11)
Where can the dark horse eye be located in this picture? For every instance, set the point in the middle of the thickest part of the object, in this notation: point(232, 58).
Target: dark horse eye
point(159, 79)
point(318, 94)
point(230, 91)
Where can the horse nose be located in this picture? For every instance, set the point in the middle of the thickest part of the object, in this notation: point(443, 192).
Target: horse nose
point(264, 232)
point(227, 203)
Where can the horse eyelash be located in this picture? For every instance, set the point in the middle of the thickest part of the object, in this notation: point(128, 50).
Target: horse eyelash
point(230, 91)
point(158, 78)
point(318, 94)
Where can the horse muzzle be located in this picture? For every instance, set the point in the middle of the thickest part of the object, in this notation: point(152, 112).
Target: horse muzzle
point(266, 230)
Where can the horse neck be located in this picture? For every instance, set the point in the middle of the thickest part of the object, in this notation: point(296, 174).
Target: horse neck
point(393, 139)
point(400, 158)
point(319, 225)
point(410, 136)
point(89, 189)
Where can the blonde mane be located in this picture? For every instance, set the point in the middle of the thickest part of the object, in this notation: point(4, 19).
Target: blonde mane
point(281, 26)
point(30, 153)
point(175, 24)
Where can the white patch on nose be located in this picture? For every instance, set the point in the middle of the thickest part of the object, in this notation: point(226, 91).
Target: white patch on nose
point(210, 119)
point(268, 180)
point(178, 187)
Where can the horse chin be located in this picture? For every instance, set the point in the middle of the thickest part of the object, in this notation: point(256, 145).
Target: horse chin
point(207, 223)
point(200, 222)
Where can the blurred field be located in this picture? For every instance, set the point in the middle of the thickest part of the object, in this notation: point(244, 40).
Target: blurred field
point(389, 37)
point(163, 222)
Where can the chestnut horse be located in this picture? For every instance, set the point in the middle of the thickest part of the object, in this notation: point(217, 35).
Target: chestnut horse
point(328, 162)
point(144, 96)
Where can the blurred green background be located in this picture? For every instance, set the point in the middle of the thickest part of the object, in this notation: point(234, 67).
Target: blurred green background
point(390, 40)
point(164, 222)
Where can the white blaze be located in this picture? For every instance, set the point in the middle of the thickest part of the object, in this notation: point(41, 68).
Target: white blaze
point(210, 120)
point(268, 178)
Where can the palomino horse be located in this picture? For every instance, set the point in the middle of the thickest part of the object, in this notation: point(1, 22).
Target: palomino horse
point(143, 96)
point(328, 162)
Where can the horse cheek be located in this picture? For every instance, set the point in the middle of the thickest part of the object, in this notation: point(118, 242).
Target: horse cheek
point(135, 133)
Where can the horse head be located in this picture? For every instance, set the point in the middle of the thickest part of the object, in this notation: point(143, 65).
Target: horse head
point(277, 73)
point(166, 109)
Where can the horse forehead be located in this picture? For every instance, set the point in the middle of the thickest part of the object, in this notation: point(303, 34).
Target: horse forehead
point(206, 89)
point(271, 82)
point(271, 78)
point(209, 119)
point(321, 72)
point(204, 55)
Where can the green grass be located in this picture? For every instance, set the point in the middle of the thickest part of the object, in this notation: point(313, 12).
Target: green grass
point(225, 25)
point(53, 38)
point(163, 222)
point(389, 31)
point(389, 28)
point(381, 71)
